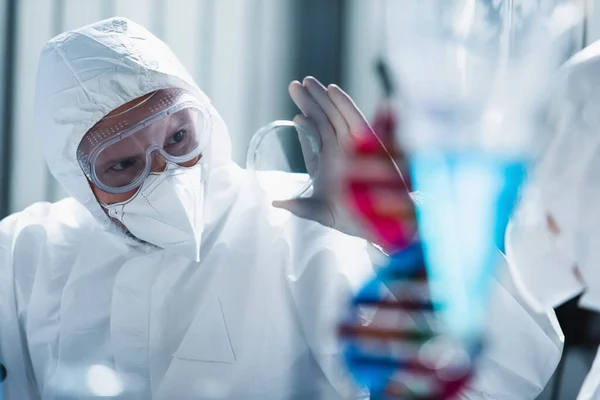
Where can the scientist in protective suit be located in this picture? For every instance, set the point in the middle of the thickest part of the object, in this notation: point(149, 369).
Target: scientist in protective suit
point(166, 274)
point(553, 240)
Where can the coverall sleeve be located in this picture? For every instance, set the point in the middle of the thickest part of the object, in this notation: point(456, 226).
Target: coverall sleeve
point(522, 350)
point(15, 289)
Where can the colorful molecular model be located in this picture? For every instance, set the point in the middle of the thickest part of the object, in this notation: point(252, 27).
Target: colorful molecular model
point(401, 352)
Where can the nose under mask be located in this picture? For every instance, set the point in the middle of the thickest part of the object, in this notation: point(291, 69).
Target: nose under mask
point(167, 211)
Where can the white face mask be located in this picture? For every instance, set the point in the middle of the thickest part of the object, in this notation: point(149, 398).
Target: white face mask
point(167, 211)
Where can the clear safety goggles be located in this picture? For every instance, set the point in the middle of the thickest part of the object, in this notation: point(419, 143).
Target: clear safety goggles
point(120, 151)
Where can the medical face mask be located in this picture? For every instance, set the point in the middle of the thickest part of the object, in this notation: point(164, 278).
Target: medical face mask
point(168, 210)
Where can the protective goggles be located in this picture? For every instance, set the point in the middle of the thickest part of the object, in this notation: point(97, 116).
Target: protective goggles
point(121, 150)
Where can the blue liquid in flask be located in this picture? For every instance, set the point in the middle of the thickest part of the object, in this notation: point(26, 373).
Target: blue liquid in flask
point(470, 198)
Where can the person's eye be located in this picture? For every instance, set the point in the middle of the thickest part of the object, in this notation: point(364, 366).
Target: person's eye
point(176, 137)
point(123, 165)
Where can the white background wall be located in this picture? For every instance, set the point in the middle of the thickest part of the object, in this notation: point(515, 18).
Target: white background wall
point(238, 50)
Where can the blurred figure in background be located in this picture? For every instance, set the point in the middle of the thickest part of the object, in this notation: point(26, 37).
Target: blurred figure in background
point(166, 274)
point(552, 242)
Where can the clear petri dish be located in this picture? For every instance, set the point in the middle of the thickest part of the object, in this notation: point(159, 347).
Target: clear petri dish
point(283, 158)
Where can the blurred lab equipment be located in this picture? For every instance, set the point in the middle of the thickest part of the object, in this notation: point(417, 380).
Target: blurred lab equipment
point(472, 74)
point(405, 350)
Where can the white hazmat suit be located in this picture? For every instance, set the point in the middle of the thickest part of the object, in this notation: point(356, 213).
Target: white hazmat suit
point(554, 264)
point(86, 311)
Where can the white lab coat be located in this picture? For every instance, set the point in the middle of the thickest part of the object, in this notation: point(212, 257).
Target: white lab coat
point(254, 319)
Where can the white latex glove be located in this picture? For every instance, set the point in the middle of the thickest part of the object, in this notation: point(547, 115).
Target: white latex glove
point(331, 113)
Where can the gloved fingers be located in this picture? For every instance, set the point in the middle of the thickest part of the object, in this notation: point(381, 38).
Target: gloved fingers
point(310, 158)
point(354, 118)
point(312, 110)
point(309, 208)
point(319, 93)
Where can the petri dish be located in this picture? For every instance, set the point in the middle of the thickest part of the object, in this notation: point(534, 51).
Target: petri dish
point(283, 158)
